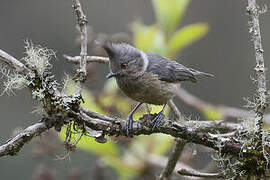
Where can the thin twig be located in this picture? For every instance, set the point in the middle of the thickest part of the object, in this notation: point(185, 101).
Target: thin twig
point(89, 59)
point(173, 159)
point(202, 105)
point(13, 62)
point(192, 172)
point(175, 110)
point(159, 161)
point(82, 22)
point(253, 13)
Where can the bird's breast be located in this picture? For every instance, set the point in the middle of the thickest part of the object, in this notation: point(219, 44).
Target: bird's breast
point(147, 89)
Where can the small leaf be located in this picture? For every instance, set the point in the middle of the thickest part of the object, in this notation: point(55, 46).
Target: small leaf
point(212, 113)
point(149, 38)
point(169, 13)
point(186, 36)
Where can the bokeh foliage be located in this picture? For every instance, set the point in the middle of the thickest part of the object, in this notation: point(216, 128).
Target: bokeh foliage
point(129, 156)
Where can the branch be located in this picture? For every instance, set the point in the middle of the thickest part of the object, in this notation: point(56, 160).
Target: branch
point(82, 22)
point(191, 131)
point(202, 105)
point(89, 59)
point(192, 172)
point(173, 159)
point(177, 149)
point(184, 169)
point(13, 62)
point(175, 110)
point(253, 13)
point(14, 145)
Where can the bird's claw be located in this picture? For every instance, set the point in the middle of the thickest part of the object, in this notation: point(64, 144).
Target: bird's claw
point(129, 124)
point(157, 120)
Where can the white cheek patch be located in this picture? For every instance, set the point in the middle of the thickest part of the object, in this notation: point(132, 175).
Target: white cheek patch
point(145, 61)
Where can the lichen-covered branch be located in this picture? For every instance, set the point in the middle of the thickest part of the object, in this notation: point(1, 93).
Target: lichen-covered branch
point(191, 131)
point(253, 13)
point(82, 22)
point(14, 145)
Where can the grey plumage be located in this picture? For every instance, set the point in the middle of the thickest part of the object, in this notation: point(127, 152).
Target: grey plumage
point(147, 77)
point(171, 71)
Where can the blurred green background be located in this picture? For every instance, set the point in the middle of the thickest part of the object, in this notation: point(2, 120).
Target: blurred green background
point(206, 35)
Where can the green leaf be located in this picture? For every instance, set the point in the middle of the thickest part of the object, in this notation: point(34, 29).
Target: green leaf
point(186, 36)
point(169, 13)
point(149, 38)
point(212, 113)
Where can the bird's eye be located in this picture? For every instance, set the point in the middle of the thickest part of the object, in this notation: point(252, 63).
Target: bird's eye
point(123, 66)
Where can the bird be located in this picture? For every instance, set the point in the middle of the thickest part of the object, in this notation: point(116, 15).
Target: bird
point(146, 77)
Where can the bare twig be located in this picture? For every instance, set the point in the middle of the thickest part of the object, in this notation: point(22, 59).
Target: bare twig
point(173, 159)
point(159, 161)
point(253, 13)
point(89, 59)
point(192, 172)
point(82, 22)
point(13, 146)
point(202, 105)
point(13, 62)
point(175, 110)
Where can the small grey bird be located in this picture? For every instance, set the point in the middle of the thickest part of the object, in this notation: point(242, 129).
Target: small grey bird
point(146, 77)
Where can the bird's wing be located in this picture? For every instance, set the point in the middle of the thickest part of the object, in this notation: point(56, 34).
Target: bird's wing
point(168, 70)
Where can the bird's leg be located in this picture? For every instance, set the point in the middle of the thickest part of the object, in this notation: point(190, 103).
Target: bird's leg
point(159, 117)
point(129, 121)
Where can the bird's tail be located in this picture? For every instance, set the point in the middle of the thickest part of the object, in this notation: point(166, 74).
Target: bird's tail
point(199, 73)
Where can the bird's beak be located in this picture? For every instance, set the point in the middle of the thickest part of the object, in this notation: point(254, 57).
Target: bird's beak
point(110, 75)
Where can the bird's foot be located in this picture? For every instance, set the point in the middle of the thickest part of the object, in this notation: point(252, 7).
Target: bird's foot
point(157, 120)
point(129, 124)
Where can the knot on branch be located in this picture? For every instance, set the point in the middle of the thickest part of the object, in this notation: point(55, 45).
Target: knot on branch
point(80, 75)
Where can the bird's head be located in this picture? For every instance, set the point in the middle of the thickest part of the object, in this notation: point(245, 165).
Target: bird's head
point(125, 60)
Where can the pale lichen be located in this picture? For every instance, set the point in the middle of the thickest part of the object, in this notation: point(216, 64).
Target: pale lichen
point(14, 81)
point(229, 166)
point(38, 58)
